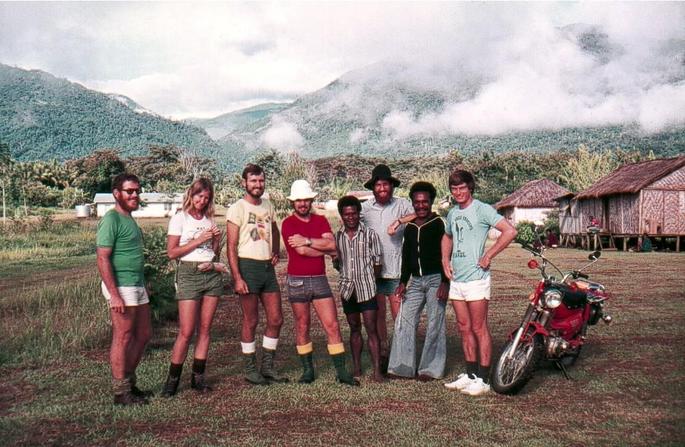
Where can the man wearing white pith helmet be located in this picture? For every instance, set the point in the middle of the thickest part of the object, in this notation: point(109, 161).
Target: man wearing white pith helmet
point(308, 238)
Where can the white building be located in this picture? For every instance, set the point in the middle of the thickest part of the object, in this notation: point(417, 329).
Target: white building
point(532, 202)
point(152, 204)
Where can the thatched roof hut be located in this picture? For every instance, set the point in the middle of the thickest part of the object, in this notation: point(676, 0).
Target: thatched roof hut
point(531, 202)
point(636, 199)
point(630, 179)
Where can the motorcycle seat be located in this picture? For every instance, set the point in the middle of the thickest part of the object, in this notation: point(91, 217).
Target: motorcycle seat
point(574, 299)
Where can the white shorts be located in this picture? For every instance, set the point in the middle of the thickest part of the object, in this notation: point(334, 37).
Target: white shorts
point(132, 295)
point(470, 290)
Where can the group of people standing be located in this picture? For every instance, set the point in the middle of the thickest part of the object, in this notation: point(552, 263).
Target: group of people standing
point(390, 252)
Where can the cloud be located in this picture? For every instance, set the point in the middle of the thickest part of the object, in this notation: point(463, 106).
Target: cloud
point(282, 136)
point(473, 68)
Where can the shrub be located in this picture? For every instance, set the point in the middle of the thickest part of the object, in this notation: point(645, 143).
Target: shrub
point(73, 196)
point(38, 194)
point(526, 232)
point(159, 274)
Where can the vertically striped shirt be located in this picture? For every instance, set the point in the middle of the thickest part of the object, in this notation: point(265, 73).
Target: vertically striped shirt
point(358, 256)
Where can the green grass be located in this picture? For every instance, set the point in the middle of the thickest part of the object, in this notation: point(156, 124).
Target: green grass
point(27, 248)
point(628, 386)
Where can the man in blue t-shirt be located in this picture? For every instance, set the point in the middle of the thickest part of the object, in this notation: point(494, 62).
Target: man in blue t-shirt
point(467, 264)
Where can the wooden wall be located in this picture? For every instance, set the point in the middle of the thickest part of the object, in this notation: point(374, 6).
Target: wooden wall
point(657, 209)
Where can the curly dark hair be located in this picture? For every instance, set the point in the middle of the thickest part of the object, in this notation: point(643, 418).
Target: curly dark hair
point(349, 201)
point(423, 187)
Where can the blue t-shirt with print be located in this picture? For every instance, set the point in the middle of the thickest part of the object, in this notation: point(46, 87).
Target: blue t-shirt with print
point(469, 230)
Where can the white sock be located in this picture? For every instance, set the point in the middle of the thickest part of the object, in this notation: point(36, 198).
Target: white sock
point(269, 343)
point(249, 348)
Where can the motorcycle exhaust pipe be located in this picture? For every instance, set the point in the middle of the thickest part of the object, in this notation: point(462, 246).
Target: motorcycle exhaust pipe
point(607, 318)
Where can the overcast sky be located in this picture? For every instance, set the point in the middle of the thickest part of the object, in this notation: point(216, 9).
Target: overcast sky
point(183, 59)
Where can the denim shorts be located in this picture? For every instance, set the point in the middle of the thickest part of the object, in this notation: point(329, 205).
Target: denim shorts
point(386, 286)
point(304, 289)
point(260, 276)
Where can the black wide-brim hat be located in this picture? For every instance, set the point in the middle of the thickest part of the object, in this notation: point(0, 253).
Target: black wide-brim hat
point(381, 172)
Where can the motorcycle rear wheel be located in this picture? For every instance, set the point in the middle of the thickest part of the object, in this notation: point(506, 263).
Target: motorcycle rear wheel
point(510, 375)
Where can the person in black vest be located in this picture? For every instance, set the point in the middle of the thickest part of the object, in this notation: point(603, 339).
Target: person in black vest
point(422, 284)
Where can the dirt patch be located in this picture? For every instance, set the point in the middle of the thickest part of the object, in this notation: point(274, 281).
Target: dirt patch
point(37, 280)
point(11, 393)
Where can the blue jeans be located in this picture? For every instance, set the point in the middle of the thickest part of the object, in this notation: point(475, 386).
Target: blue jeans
point(421, 292)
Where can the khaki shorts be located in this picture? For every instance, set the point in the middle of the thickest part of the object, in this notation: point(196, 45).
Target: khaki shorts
point(132, 295)
point(192, 284)
point(470, 290)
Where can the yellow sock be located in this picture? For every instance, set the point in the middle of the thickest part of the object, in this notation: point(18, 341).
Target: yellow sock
point(305, 349)
point(336, 349)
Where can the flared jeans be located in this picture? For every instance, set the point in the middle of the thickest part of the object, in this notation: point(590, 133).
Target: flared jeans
point(421, 292)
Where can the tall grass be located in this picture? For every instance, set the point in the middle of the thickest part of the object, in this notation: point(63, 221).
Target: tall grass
point(47, 324)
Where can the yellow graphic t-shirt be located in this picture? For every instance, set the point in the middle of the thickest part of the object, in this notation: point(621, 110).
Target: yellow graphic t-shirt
point(255, 228)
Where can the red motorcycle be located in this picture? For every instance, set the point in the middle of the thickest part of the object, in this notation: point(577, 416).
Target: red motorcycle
point(554, 326)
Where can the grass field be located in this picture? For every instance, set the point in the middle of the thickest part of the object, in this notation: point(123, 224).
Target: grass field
point(628, 387)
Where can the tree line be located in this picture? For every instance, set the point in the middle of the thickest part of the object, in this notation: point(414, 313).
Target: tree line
point(26, 185)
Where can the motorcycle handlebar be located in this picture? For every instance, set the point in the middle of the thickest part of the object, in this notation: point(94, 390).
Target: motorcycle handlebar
point(580, 275)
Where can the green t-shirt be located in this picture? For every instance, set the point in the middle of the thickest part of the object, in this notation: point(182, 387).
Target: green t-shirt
point(123, 235)
point(469, 229)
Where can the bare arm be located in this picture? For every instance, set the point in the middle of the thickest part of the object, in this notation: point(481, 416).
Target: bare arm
point(446, 254)
point(116, 303)
point(313, 247)
point(275, 243)
point(216, 245)
point(232, 238)
point(504, 239)
point(392, 228)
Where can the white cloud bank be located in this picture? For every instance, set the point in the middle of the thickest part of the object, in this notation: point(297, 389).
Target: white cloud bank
point(500, 67)
point(282, 136)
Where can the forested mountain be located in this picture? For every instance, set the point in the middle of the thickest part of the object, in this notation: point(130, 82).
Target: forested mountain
point(222, 125)
point(388, 109)
point(412, 107)
point(44, 117)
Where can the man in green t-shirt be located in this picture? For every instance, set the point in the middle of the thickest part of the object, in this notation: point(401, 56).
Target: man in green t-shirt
point(120, 262)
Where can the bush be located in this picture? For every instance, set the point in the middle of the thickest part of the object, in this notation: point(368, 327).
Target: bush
point(526, 232)
point(159, 274)
point(552, 222)
point(72, 197)
point(38, 194)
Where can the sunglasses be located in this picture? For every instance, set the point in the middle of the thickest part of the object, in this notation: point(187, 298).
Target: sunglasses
point(130, 191)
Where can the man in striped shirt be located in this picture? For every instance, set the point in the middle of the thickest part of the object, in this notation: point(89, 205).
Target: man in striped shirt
point(359, 262)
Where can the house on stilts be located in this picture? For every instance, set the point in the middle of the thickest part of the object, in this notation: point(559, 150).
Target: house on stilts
point(636, 200)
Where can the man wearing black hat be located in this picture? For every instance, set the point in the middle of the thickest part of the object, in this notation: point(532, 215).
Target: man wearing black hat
point(386, 215)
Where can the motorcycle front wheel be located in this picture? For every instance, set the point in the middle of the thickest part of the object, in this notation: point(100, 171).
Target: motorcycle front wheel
point(512, 372)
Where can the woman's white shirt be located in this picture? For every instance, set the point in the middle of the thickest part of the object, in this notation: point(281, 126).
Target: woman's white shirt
point(184, 225)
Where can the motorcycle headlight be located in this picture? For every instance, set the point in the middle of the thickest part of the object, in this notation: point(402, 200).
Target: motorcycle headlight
point(551, 299)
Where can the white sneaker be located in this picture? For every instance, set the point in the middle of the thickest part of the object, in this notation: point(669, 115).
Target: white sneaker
point(462, 381)
point(476, 388)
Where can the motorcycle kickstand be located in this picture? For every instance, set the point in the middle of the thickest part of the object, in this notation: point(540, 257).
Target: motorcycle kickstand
point(563, 370)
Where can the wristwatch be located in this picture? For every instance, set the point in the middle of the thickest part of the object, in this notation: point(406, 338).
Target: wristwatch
point(309, 242)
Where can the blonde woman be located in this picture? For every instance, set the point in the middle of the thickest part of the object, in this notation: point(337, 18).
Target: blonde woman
point(194, 240)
